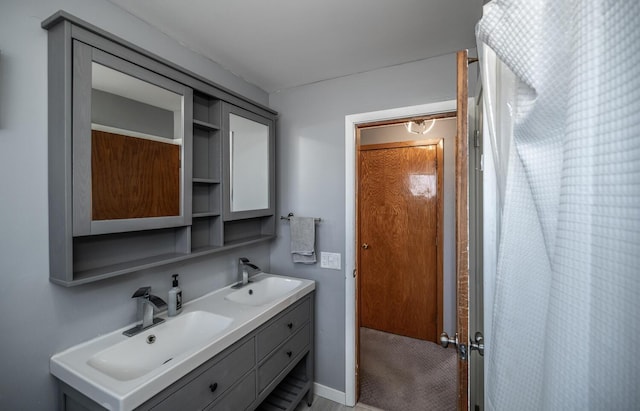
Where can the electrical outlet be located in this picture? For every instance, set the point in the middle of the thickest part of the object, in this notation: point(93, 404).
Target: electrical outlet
point(330, 260)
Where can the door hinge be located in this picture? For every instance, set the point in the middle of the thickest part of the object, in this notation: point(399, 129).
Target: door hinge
point(354, 273)
point(476, 138)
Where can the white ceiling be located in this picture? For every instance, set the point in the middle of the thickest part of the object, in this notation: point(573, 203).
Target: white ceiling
point(278, 44)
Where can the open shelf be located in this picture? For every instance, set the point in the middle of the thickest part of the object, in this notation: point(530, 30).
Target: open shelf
point(204, 215)
point(107, 271)
point(209, 249)
point(205, 125)
point(206, 180)
point(289, 392)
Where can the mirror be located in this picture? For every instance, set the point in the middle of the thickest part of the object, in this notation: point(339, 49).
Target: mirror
point(131, 136)
point(249, 164)
point(136, 143)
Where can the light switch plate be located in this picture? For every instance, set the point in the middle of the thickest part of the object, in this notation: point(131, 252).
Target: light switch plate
point(330, 260)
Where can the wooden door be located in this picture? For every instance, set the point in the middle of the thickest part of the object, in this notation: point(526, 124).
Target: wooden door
point(399, 193)
point(462, 226)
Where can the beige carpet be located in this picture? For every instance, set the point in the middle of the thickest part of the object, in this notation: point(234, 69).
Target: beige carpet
point(405, 374)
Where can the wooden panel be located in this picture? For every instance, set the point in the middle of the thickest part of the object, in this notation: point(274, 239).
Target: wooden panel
point(397, 215)
point(133, 177)
point(440, 234)
point(356, 272)
point(398, 144)
point(462, 226)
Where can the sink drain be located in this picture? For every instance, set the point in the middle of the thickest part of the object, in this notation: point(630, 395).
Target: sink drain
point(250, 292)
point(151, 339)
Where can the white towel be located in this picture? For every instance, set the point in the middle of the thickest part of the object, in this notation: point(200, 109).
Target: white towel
point(303, 239)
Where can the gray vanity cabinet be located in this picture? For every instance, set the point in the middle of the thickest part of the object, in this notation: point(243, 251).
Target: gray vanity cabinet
point(170, 128)
point(272, 366)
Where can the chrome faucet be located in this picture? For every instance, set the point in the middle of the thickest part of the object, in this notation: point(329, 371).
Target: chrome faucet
point(243, 271)
point(147, 304)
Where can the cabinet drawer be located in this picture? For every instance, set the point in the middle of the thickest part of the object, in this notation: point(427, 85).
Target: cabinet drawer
point(282, 328)
point(208, 386)
point(282, 357)
point(239, 397)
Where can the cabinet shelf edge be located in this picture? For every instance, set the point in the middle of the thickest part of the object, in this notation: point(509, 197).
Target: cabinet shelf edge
point(205, 125)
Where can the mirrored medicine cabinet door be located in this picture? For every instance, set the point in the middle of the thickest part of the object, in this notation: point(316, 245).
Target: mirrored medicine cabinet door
point(131, 146)
point(249, 150)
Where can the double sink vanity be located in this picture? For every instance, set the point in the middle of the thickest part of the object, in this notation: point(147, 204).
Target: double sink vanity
point(232, 349)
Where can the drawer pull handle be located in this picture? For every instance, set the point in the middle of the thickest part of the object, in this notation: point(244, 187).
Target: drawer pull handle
point(213, 387)
point(289, 354)
point(290, 325)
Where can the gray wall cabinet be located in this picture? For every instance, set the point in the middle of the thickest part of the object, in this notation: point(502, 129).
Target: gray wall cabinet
point(83, 249)
point(271, 368)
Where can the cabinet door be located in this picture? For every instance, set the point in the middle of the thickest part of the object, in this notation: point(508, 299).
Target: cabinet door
point(248, 164)
point(283, 357)
point(214, 381)
point(281, 328)
point(239, 397)
point(132, 132)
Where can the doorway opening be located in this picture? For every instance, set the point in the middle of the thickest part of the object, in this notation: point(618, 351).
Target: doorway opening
point(351, 126)
point(400, 227)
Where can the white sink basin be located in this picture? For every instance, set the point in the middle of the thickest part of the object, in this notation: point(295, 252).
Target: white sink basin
point(157, 346)
point(263, 291)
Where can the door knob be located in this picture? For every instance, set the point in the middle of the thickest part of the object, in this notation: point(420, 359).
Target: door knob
point(478, 344)
point(365, 246)
point(445, 340)
point(460, 347)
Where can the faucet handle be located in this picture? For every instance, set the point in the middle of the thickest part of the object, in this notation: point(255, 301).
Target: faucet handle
point(142, 292)
point(245, 261)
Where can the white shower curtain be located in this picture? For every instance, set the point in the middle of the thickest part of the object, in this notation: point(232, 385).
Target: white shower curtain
point(566, 312)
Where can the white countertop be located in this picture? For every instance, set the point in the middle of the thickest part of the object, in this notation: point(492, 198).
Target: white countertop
point(71, 367)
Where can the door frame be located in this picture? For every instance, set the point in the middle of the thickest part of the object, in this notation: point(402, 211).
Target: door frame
point(351, 123)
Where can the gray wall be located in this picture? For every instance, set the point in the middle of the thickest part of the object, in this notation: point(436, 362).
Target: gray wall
point(37, 317)
point(311, 176)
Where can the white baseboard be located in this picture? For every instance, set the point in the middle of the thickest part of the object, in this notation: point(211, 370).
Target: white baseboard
point(329, 393)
